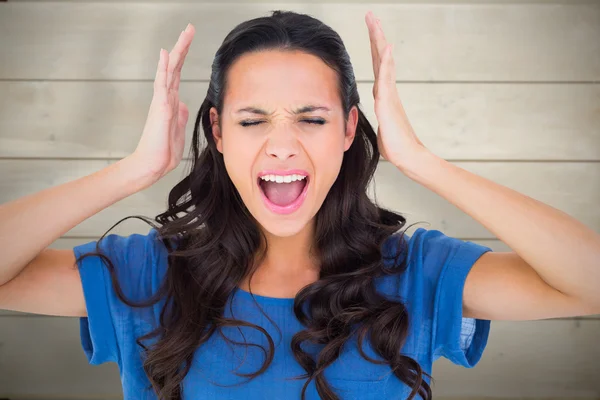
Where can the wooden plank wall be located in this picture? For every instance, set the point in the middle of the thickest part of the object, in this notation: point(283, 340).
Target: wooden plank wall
point(508, 90)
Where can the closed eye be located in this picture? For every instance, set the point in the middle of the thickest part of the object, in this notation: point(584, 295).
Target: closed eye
point(310, 121)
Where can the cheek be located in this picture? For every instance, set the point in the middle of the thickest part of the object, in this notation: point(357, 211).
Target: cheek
point(331, 144)
point(327, 157)
point(239, 166)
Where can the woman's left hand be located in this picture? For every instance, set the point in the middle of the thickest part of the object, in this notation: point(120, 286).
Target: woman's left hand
point(396, 139)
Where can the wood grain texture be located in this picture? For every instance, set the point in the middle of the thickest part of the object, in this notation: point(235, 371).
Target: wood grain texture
point(523, 359)
point(69, 243)
point(551, 358)
point(441, 42)
point(569, 186)
point(471, 2)
point(475, 121)
point(504, 88)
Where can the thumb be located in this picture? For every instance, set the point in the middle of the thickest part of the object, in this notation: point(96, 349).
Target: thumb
point(183, 116)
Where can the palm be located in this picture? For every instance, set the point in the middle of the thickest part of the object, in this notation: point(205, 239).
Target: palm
point(396, 139)
point(161, 146)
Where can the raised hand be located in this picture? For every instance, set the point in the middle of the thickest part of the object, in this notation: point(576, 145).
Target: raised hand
point(160, 148)
point(396, 139)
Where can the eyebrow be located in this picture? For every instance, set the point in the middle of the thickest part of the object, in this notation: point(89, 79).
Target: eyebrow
point(301, 110)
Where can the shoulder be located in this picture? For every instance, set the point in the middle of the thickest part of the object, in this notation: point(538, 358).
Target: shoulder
point(429, 251)
point(133, 264)
point(431, 286)
point(426, 261)
point(138, 261)
point(123, 247)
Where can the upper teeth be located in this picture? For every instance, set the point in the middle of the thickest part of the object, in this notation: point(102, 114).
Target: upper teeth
point(282, 178)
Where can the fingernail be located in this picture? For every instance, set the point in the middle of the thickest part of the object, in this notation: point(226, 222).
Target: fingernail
point(187, 28)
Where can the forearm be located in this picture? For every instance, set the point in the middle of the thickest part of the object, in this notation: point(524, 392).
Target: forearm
point(31, 223)
point(562, 250)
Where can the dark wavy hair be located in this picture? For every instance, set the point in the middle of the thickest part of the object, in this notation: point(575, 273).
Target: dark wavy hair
point(212, 239)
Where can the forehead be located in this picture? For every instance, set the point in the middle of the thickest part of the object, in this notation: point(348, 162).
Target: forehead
point(281, 78)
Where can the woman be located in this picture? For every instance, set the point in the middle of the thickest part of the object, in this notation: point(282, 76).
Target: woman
point(272, 275)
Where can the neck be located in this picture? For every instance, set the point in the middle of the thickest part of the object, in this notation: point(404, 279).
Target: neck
point(287, 266)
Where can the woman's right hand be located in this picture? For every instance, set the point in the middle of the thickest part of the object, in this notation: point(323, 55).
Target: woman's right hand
point(160, 148)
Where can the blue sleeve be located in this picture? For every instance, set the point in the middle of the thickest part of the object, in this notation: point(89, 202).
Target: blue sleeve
point(447, 262)
point(108, 323)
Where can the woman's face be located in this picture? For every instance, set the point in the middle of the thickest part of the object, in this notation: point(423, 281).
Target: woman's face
point(267, 92)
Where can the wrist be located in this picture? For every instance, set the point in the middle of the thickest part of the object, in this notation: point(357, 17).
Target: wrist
point(417, 163)
point(134, 175)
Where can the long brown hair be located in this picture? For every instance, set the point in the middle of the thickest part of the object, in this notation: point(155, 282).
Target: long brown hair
point(212, 239)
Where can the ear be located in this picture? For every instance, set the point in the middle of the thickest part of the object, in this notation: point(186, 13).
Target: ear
point(351, 127)
point(216, 131)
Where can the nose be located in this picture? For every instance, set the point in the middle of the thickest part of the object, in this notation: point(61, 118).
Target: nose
point(282, 145)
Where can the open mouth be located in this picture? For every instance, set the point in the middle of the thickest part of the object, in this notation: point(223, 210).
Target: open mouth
point(283, 195)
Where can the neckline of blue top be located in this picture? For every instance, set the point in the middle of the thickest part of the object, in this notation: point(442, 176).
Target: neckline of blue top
point(281, 301)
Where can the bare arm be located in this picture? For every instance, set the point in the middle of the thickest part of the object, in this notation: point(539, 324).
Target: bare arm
point(32, 223)
point(36, 279)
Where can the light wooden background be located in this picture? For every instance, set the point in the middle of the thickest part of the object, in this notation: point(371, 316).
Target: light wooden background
point(506, 89)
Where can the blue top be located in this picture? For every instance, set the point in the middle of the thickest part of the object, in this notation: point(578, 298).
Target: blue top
point(431, 289)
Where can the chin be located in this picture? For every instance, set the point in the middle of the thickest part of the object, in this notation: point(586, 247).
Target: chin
point(283, 228)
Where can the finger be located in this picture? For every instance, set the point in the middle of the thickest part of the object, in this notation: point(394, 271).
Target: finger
point(370, 19)
point(175, 56)
point(387, 73)
point(183, 118)
point(380, 41)
point(179, 138)
point(160, 80)
point(177, 73)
